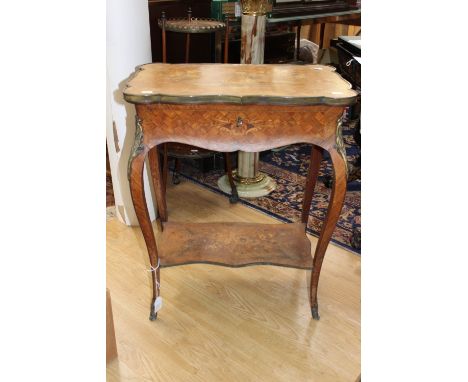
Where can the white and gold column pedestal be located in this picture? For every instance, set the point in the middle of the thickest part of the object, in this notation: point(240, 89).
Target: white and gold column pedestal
point(249, 181)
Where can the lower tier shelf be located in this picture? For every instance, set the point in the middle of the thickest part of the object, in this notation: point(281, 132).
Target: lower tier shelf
point(235, 244)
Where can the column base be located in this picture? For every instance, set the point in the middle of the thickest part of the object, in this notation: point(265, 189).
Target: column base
point(252, 190)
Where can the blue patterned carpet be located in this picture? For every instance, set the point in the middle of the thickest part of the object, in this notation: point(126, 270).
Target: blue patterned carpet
point(288, 167)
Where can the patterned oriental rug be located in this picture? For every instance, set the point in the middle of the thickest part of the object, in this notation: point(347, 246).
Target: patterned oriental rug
point(288, 167)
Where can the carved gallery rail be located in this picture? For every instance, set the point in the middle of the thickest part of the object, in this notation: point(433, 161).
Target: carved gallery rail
point(228, 108)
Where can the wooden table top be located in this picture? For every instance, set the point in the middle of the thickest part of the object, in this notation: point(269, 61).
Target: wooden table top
point(239, 84)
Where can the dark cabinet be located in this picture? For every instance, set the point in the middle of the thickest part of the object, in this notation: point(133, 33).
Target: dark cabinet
point(200, 50)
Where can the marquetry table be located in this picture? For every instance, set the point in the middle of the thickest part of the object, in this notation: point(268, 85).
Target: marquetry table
point(228, 107)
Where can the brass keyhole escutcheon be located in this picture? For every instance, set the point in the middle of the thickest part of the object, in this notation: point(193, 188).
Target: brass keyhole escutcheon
point(240, 122)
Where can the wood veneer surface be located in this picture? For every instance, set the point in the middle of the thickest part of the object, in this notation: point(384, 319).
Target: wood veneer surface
point(238, 83)
point(235, 244)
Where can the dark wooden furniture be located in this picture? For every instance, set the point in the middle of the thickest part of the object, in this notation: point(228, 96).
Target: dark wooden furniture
point(349, 52)
point(201, 43)
point(284, 21)
point(349, 47)
point(228, 108)
point(291, 8)
point(319, 12)
point(189, 26)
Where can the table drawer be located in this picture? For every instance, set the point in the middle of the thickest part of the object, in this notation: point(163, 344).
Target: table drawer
point(233, 127)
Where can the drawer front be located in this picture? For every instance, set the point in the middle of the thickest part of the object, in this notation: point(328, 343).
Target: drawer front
point(233, 127)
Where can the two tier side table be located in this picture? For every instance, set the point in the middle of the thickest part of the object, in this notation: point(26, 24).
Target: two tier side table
point(230, 107)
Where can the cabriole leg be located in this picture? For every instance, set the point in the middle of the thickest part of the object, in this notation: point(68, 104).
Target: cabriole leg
point(334, 210)
point(136, 165)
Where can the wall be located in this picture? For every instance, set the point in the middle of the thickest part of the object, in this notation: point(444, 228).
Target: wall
point(128, 45)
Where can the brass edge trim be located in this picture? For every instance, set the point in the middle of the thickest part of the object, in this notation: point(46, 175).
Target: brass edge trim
point(247, 100)
point(192, 19)
point(137, 147)
point(192, 29)
point(340, 144)
point(254, 13)
point(235, 265)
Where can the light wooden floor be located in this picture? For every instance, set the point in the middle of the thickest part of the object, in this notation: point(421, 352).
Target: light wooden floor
point(225, 324)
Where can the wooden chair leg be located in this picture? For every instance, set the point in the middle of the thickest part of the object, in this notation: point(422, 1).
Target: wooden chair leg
point(163, 18)
point(298, 40)
point(226, 41)
point(234, 198)
point(165, 166)
point(175, 174)
point(187, 48)
point(187, 38)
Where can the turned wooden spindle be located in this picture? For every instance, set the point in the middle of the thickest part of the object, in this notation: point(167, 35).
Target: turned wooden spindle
point(298, 40)
point(226, 41)
point(163, 27)
point(187, 39)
